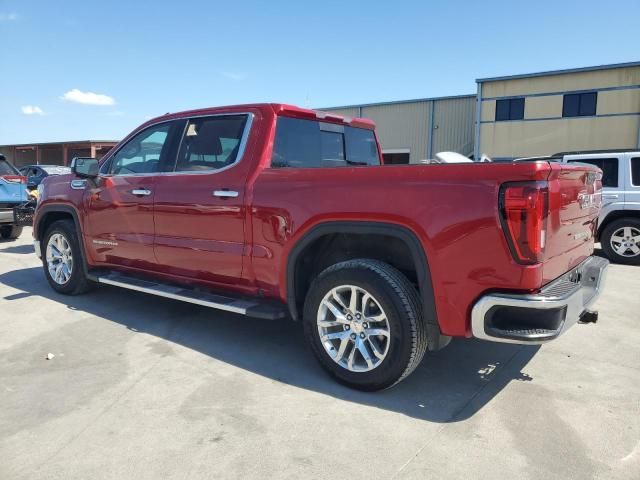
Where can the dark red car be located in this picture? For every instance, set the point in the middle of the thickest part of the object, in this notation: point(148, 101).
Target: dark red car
point(275, 211)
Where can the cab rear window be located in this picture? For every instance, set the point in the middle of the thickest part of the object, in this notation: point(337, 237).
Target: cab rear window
point(312, 144)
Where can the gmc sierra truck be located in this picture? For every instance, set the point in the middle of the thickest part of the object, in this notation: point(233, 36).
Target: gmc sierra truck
point(274, 211)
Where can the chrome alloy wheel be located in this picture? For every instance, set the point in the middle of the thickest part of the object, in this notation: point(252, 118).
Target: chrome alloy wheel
point(353, 328)
point(626, 242)
point(59, 258)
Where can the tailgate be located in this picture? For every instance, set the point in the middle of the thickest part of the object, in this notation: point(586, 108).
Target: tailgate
point(575, 199)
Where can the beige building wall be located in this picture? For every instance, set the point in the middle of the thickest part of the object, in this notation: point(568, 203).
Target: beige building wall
point(619, 101)
point(563, 82)
point(401, 126)
point(543, 107)
point(524, 139)
point(453, 123)
point(544, 131)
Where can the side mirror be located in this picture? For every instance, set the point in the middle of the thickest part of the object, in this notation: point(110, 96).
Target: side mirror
point(85, 167)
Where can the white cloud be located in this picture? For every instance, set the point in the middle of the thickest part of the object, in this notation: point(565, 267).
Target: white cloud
point(87, 98)
point(32, 110)
point(8, 17)
point(234, 75)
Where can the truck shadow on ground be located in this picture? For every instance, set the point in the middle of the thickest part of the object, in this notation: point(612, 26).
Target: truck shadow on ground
point(25, 249)
point(449, 386)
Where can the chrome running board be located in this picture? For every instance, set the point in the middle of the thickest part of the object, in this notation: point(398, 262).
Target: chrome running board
point(257, 308)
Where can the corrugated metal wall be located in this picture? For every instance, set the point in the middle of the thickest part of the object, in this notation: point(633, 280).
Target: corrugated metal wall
point(453, 124)
point(402, 125)
point(406, 125)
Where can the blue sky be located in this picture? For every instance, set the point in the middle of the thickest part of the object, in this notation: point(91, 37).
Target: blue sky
point(142, 59)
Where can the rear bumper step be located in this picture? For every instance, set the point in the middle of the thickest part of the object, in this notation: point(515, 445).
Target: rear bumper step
point(251, 307)
point(541, 317)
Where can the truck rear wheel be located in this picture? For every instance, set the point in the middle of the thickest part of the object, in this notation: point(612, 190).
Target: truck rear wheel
point(620, 241)
point(10, 232)
point(363, 322)
point(62, 259)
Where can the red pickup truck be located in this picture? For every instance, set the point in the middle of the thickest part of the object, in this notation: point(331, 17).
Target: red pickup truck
point(274, 211)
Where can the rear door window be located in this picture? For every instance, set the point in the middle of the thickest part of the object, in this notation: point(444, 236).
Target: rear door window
point(609, 167)
point(312, 144)
point(211, 143)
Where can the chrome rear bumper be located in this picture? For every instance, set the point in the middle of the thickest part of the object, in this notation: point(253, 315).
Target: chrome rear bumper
point(540, 317)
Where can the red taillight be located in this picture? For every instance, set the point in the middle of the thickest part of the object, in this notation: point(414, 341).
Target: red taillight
point(14, 178)
point(524, 207)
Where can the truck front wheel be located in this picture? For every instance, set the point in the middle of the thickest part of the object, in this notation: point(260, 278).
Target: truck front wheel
point(62, 259)
point(363, 322)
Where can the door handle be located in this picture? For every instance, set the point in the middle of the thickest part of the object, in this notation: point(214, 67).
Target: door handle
point(143, 192)
point(225, 193)
point(610, 195)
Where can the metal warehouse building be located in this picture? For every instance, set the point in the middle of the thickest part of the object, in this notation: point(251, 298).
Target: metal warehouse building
point(592, 108)
point(413, 130)
point(544, 113)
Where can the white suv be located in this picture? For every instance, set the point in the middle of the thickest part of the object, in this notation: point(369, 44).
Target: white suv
point(619, 222)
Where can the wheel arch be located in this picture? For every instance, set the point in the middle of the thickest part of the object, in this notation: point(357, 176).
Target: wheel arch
point(48, 214)
point(370, 229)
point(616, 215)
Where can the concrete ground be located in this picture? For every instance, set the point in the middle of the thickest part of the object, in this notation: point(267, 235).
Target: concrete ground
point(146, 388)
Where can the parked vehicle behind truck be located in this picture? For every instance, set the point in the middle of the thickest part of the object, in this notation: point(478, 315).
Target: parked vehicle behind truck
point(274, 211)
point(13, 193)
point(619, 221)
point(36, 173)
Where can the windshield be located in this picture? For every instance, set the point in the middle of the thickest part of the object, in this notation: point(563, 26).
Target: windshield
point(7, 169)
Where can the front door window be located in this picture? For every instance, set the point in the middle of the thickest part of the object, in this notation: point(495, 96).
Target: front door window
point(141, 155)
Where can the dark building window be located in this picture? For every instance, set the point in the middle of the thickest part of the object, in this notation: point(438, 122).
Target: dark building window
point(609, 167)
point(579, 104)
point(509, 109)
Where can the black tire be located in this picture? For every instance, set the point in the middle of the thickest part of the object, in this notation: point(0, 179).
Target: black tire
point(78, 282)
point(401, 303)
point(605, 240)
point(10, 232)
